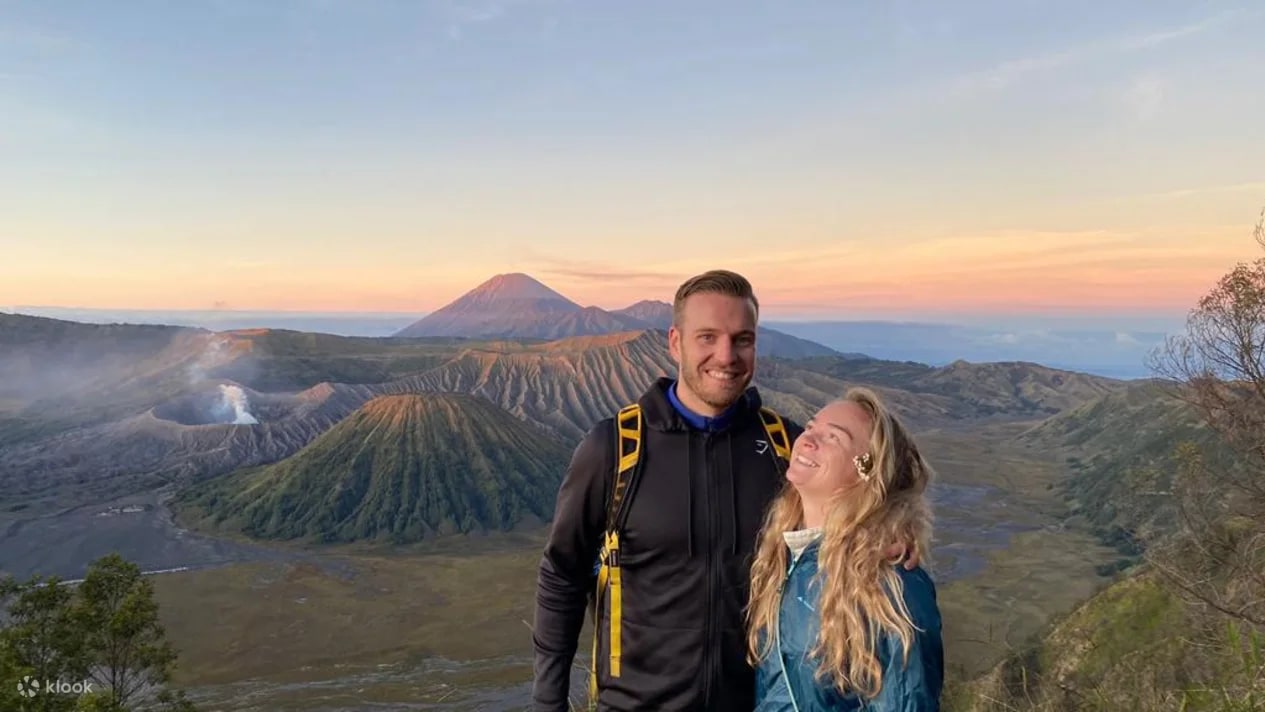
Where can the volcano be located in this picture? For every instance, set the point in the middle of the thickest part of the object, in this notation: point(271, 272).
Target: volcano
point(517, 306)
point(399, 469)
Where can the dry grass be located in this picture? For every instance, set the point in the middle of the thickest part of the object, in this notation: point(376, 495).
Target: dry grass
point(1039, 578)
point(289, 623)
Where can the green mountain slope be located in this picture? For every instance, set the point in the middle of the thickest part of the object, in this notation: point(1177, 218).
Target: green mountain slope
point(1122, 449)
point(1136, 645)
point(400, 468)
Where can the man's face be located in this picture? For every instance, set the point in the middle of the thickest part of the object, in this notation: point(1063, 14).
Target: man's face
point(714, 348)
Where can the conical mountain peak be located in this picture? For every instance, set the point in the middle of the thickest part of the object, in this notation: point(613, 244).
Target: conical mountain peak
point(516, 305)
point(515, 286)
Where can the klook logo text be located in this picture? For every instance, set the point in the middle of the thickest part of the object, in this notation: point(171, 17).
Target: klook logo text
point(30, 687)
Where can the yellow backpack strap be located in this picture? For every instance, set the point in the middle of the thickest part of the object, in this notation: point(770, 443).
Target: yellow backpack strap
point(628, 429)
point(776, 431)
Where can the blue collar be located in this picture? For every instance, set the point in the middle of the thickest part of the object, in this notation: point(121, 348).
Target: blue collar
point(697, 421)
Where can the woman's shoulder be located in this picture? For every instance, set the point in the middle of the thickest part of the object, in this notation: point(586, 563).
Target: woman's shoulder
point(918, 577)
point(914, 676)
point(919, 592)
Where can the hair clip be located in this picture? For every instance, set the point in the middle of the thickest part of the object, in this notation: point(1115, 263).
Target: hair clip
point(863, 464)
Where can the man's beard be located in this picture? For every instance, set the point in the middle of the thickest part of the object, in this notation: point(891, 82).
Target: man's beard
point(712, 393)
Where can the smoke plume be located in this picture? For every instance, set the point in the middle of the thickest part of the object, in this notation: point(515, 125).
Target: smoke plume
point(234, 404)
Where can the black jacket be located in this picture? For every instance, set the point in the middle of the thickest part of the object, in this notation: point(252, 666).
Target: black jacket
point(686, 552)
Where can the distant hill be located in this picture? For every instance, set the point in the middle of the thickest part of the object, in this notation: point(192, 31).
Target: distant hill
point(976, 389)
point(282, 360)
point(516, 305)
point(58, 375)
point(1121, 447)
point(41, 359)
point(657, 314)
point(1115, 350)
point(1006, 387)
point(400, 469)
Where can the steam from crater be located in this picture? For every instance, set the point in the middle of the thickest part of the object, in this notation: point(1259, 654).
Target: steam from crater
point(234, 406)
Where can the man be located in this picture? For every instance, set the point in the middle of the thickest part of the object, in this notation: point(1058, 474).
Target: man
point(674, 606)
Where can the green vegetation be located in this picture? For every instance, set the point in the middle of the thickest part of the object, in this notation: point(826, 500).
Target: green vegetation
point(1135, 646)
point(1021, 591)
point(1177, 474)
point(399, 469)
point(99, 644)
point(1121, 449)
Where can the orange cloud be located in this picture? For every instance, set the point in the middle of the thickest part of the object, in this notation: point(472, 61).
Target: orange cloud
point(1011, 271)
point(1003, 271)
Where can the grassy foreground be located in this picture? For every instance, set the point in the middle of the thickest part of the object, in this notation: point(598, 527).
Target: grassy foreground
point(1042, 577)
point(273, 635)
point(432, 627)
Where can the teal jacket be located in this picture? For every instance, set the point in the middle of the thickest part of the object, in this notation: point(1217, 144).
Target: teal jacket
point(788, 684)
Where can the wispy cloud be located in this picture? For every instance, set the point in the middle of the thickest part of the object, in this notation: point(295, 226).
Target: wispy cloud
point(1013, 270)
point(1036, 269)
point(824, 131)
point(586, 271)
point(1013, 71)
point(460, 15)
point(34, 39)
point(1155, 39)
point(248, 264)
point(1249, 187)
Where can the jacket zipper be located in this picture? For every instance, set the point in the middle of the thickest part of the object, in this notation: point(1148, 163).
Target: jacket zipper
point(781, 659)
point(709, 547)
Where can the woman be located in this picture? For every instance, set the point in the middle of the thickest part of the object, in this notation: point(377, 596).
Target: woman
point(834, 624)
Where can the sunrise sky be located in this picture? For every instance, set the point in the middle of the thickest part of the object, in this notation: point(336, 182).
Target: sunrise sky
point(856, 160)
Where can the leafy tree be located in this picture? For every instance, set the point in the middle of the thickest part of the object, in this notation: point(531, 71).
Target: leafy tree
point(40, 640)
point(104, 631)
point(1218, 555)
point(119, 621)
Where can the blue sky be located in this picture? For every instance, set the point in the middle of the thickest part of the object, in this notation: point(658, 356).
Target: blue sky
point(898, 159)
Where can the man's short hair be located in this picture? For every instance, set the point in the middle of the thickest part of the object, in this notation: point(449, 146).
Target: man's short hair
point(716, 281)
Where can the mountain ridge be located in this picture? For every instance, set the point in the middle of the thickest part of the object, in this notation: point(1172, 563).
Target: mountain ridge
point(156, 415)
point(516, 305)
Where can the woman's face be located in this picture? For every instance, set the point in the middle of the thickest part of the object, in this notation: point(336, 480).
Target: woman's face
point(821, 459)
